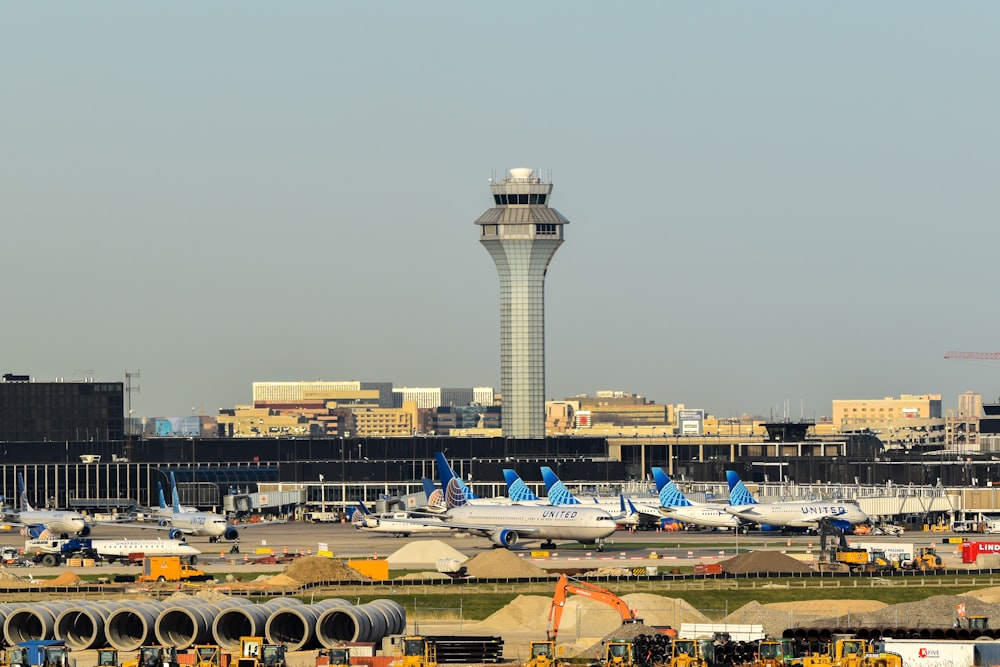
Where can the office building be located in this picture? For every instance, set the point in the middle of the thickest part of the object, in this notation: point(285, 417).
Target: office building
point(60, 411)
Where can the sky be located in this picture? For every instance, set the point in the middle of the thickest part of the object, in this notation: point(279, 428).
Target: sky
point(771, 205)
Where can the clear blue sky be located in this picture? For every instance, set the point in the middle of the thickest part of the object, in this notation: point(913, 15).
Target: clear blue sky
point(768, 201)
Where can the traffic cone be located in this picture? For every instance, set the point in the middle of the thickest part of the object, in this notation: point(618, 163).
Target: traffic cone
point(284, 551)
point(246, 558)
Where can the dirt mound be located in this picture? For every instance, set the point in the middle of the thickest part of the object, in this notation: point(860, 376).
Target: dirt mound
point(502, 563)
point(308, 569)
point(934, 612)
point(763, 561)
point(64, 579)
point(282, 581)
point(422, 554)
point(524, 612)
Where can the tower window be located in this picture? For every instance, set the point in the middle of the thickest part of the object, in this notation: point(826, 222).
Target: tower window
point(489, 230)
point(498, 199)
point(546, 229)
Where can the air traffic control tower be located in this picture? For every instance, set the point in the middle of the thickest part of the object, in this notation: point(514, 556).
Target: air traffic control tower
point(522, 234)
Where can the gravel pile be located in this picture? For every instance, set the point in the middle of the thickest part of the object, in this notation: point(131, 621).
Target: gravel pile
point(502, 563)
point(763, 561)
point(422, 555)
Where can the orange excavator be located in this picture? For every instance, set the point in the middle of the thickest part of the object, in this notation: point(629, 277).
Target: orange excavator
point(566, 586)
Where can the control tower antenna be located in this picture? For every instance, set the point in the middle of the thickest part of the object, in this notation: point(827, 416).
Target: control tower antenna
point(522, 233)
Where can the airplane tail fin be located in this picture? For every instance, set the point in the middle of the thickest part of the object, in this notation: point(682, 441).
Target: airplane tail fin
point(738, 493)
point(456, 492)
point(174, 496)
point(359, 514)
point(435, 497)
point(555, 490)
point(517, 490)
point(670, 495)
point(25, 505)
point(163, 501)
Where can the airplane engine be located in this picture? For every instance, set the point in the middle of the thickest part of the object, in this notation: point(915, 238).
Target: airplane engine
point(175, 534)
point(231, 534)
point(86, 531)
point(504, 538)
point(164, 523)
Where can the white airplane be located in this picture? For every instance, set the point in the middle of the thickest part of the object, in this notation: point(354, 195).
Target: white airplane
point(394, 523)
point(842, 513)
point(35, 522)
point(113, 550)
point(675, 505)
point(505, 524)
point(199, 524)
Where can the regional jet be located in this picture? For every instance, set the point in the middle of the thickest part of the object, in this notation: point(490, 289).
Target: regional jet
point(394, 523)
point(841, 513)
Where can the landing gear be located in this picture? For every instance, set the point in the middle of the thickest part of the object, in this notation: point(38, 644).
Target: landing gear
point(213, 539)
point(600, 546)
point(549, 545)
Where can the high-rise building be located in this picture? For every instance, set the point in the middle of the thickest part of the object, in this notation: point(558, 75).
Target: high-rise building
point(522, 233)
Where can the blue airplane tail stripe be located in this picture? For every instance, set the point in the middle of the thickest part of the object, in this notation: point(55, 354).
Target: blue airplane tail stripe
point(738, 493)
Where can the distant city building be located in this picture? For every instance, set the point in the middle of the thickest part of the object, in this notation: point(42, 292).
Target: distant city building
point(297, 393)
point(68, 411)
point(620, 408)
point(483, 396)
point(912, 420)
point(446, 419)
point(433, 397)
point(522, 234)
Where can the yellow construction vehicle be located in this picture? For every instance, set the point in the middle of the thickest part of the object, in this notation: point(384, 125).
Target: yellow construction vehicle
point(417, 652)
point(14, 656)
point(618, 653)
point(255, 652)
point(770, 653)
point(336, 656)
point(926, 559)
point(845, 651)
point(686, 653)
point(107, 657)
point(543, 654)
point(210, 655)
point(154, 656)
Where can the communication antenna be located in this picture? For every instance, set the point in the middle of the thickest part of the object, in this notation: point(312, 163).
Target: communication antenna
point(130, 386)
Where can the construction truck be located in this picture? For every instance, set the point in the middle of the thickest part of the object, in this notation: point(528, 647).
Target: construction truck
point(863, 560)
point(417, 652)
point(255, 652)
point(565, 587)
point(154, 656)
point(925, 559)
point(770, 653)
point(169, 568)
point(335, 656)
point(543, 654)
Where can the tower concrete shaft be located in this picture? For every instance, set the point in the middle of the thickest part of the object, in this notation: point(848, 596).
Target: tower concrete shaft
point(522, 233)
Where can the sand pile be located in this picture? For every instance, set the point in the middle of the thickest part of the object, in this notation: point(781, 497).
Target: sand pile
point(64, 579)
point(934, 612)
point(525, 612)
point(284, 581)
point(987, 595)
point(763, 561)
point(318, 568)
point(593, 649)
point(422, 555)
point(7, 576)
point(502, 563)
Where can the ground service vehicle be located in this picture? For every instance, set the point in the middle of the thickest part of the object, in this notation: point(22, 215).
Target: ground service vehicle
point(577, 587)
point(169, 568)
point(336, 656)
point(154, 656)
point(418, 652)
point(254, 652)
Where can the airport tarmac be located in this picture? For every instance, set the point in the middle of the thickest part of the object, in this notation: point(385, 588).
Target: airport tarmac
point(681, 548)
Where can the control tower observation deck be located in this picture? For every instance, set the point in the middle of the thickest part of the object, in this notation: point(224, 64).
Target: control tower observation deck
point(522, 233)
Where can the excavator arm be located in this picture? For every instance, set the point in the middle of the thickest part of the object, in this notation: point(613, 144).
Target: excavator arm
point(565, 586)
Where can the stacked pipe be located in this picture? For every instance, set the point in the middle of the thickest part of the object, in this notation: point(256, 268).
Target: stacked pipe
point(822, 635)
point(126, 626)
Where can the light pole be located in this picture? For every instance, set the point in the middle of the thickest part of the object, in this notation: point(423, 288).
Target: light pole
point(322, 494)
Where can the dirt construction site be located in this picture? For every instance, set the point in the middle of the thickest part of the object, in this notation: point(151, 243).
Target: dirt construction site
point(585, 622)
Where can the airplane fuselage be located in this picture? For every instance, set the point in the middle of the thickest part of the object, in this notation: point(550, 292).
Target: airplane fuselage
point(702, 515)
point(57, 522)
point(799, 515)
point(582, 524)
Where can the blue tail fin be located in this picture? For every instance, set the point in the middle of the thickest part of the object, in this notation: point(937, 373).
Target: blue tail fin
point(738, 493)
point(555, 490)
point(175, 497)
point(456, 492)
point(25, 505)
point(517, 490)
point(163, 501)
point(670, 495)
